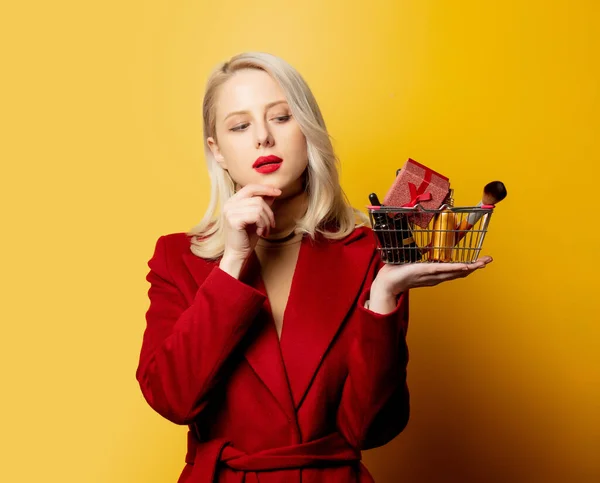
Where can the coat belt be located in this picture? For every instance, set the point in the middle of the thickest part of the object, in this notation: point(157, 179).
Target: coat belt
point(330, 450)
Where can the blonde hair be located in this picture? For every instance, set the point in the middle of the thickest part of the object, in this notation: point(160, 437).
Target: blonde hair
point(329, 211)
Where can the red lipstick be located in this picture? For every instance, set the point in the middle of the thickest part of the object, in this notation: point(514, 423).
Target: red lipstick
point(268, 168)
point(267, 164)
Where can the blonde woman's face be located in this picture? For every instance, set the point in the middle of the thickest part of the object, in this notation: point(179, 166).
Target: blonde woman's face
point(253, 120)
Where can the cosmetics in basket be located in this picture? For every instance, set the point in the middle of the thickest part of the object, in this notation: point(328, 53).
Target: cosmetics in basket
point(382, 228)
point(443, 233)
point(399, 238)
point(493, 193)
point(402, 236)
point(410, 250)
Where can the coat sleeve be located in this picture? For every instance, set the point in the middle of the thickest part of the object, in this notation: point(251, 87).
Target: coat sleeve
point(184, 347)
point(375, 406)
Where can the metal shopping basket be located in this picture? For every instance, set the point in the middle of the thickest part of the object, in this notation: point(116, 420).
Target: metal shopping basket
point(418, 235)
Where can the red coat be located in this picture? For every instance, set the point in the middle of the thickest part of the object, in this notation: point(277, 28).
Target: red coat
point(264, 410)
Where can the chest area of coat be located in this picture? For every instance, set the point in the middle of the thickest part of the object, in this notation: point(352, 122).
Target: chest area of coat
point(277, 267)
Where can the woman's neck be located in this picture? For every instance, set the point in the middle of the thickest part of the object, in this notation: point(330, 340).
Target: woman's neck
point(287, 212)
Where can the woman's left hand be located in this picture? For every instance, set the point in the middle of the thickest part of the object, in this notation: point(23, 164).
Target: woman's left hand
point(391, 280)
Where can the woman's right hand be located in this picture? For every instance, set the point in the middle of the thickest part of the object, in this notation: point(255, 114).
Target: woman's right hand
point(247, 216)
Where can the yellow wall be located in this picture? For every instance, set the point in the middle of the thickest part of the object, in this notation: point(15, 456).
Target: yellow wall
point(101, 153)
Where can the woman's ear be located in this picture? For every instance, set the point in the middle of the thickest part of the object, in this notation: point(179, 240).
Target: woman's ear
point(216, 152)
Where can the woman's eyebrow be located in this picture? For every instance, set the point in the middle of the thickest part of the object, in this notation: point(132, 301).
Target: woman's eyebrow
point(268, 106)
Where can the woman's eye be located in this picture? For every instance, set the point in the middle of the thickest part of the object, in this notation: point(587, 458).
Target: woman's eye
point(243, 126)
point(240, 127)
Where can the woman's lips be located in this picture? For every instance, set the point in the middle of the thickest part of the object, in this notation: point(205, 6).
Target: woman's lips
point(268, 168)
point(271, 158)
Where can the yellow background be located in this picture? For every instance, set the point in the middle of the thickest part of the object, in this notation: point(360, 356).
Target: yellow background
point(102, 153)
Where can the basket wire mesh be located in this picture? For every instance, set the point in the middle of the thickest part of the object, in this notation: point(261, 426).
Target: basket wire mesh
point(418, 235)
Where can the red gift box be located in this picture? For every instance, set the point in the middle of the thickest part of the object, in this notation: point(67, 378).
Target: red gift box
point(417, 183)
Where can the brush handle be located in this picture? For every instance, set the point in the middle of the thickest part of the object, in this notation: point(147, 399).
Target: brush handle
point(466, 225)
point(474, 217)
point(462, 230)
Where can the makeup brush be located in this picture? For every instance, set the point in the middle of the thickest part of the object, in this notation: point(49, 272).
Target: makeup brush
point(493, 193)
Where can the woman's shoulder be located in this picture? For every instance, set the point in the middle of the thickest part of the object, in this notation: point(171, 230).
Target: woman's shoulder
point(171, 245)
point(361, 234)
point(363, 231)
point(361, 238)
point(177, 240)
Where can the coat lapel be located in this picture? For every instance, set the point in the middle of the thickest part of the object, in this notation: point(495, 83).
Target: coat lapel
point(263, 353)
point(326, 284)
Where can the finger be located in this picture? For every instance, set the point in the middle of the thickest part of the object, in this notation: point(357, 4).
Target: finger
point(264, 222)
point(244, 216)
point(267, 209)
point(269, 199)
point(251, 208)
point(251, 190)
point(254, 215)
point(452, 275)
point(262, 231)
point(458, 267)
point(259, 204)
point(438, 268)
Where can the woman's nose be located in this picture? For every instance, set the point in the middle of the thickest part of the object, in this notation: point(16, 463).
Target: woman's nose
point(264, 137)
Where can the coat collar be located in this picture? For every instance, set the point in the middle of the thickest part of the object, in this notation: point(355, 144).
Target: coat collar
point(325, 285)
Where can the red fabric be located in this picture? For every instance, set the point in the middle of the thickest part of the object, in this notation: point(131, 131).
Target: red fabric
point(332, 449)
point(262, 409)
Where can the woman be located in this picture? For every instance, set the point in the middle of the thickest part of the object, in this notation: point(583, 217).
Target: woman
point(274, 330)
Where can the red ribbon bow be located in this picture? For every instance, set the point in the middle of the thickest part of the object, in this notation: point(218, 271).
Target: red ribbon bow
point(418, 194)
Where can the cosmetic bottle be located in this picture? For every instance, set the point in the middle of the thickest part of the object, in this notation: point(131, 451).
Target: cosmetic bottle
point(409, 250)
point(383, 229)
point(444, 232)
